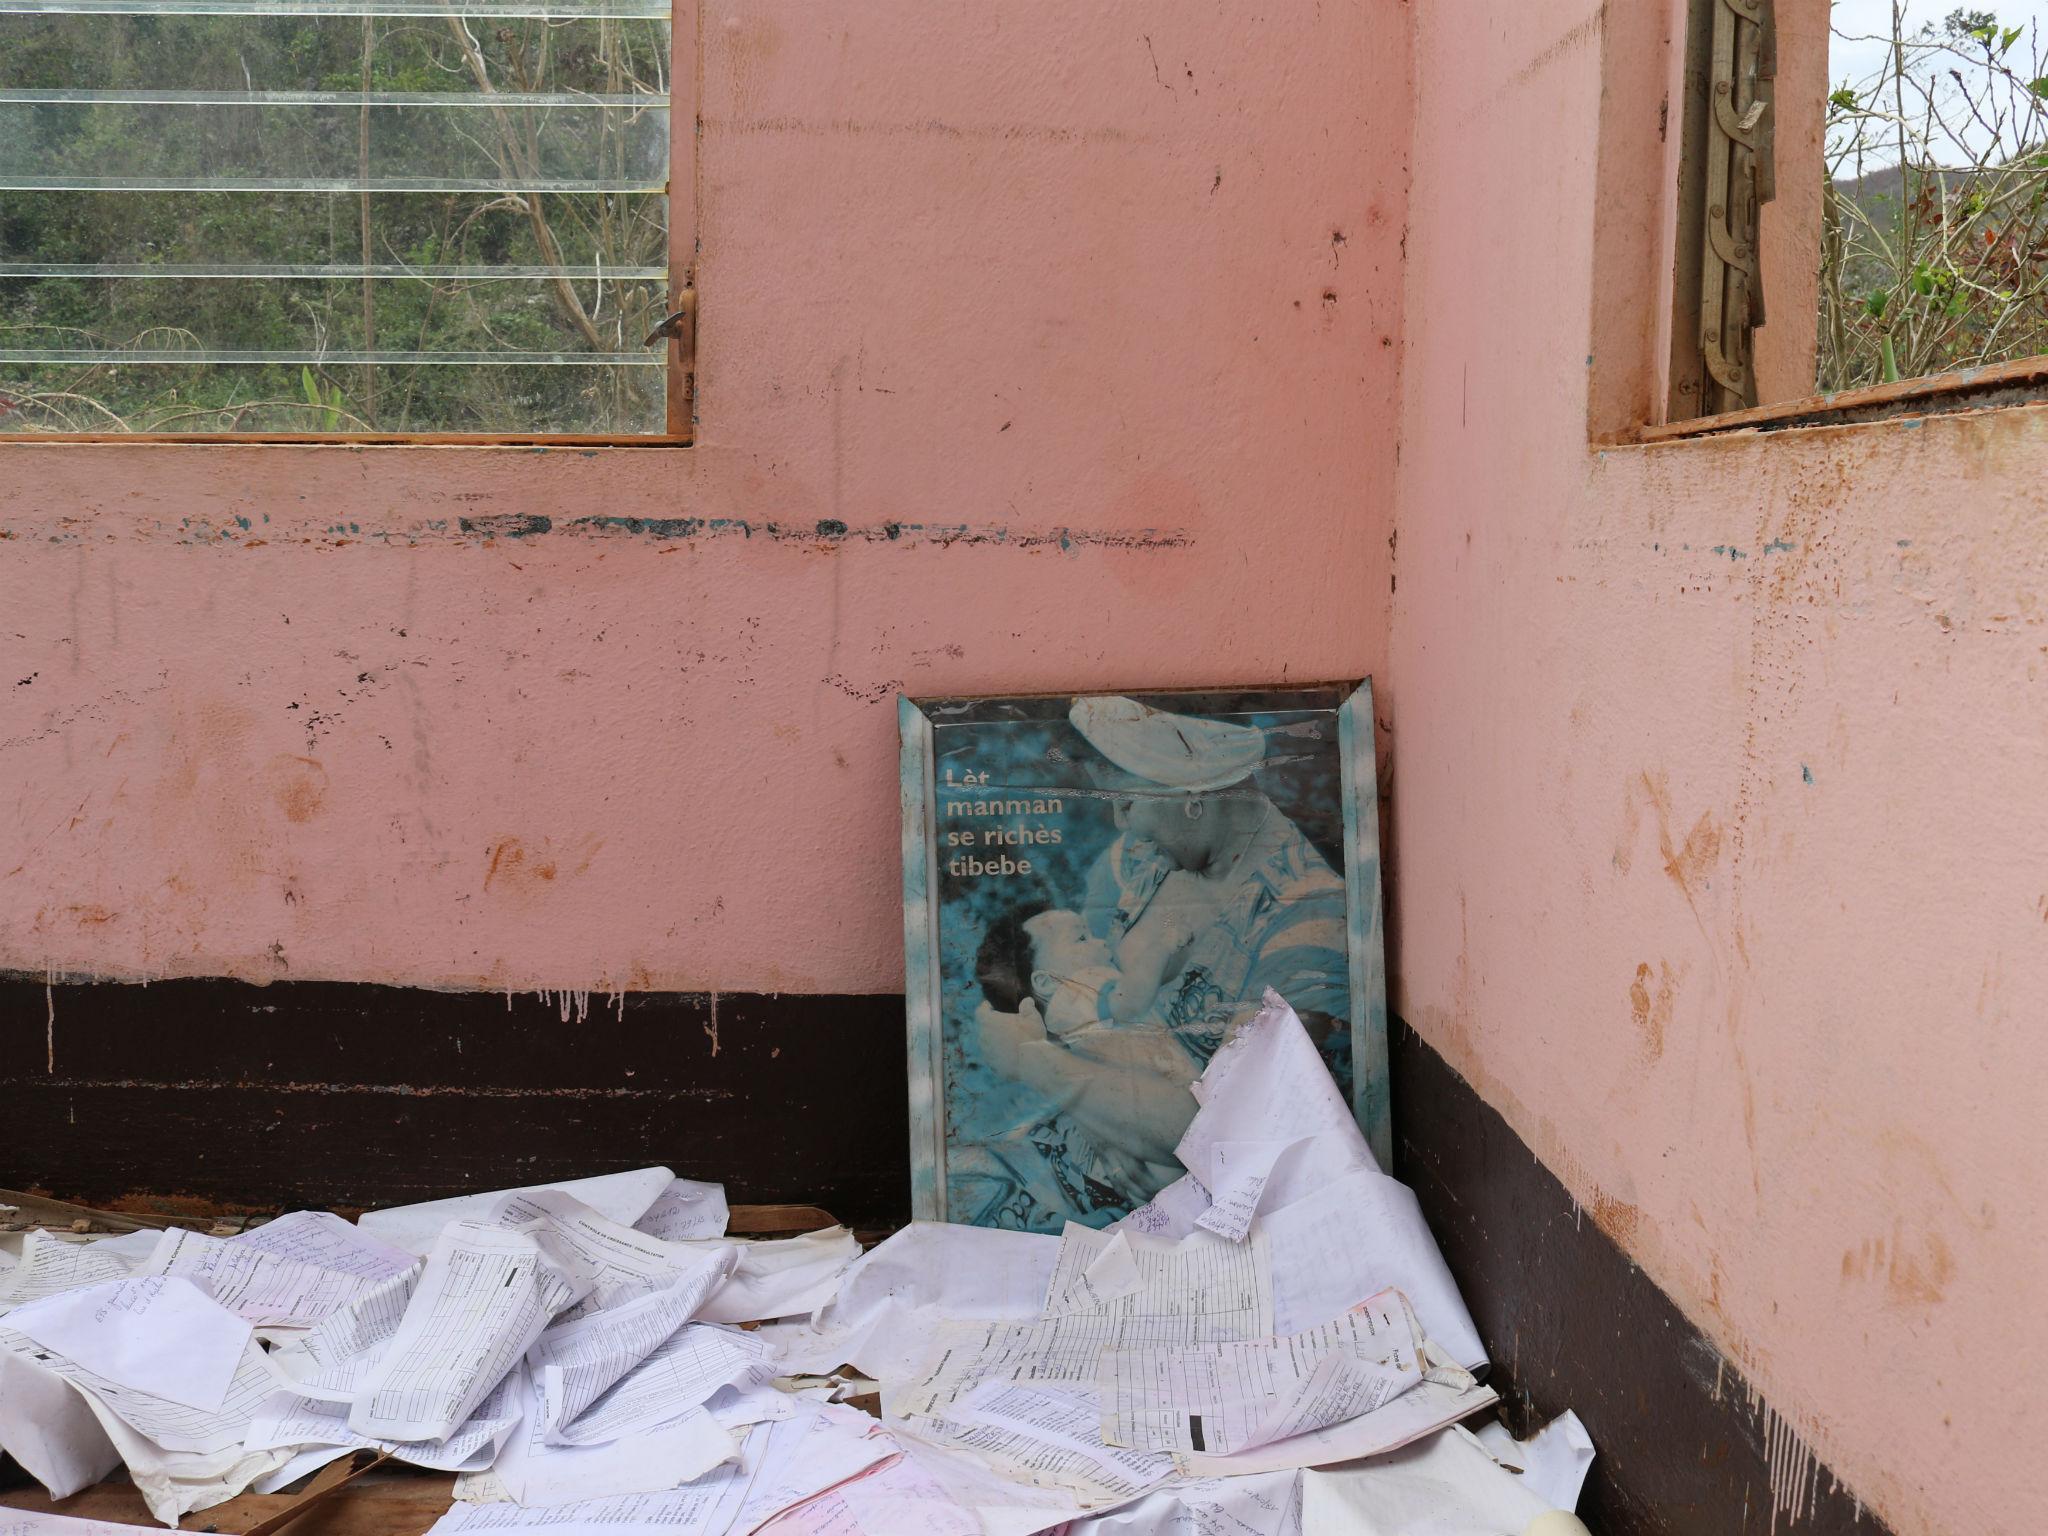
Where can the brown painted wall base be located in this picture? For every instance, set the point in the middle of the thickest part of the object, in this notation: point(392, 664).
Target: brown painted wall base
point(327, 1094)
point(345, 1095)
point(1571, 1323)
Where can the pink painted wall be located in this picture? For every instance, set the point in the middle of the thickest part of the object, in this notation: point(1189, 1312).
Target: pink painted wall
point(1791, 221)
point(1716, 775)
point(1081, 318)
point(1710, 762)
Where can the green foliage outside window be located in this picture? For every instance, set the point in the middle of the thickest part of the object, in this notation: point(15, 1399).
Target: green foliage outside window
point(491, 264)
point(1934, 249)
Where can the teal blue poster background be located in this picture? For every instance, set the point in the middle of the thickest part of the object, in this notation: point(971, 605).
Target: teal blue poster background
point(1009, 810)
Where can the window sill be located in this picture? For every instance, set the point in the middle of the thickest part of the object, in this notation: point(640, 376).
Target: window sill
point(536, 440)
point(1993, 387)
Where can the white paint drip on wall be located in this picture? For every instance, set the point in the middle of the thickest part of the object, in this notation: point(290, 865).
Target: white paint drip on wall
point(573, 1002)
point(1855, 1503)
point(1794, 1470)
point(569, 1002)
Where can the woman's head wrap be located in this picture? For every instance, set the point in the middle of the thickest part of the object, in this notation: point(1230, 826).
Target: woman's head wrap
point(1176, 752)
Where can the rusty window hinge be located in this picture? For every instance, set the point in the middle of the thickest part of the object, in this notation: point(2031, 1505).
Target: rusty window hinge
point(1727, 173)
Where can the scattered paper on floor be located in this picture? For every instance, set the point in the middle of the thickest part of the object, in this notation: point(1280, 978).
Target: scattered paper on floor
point(598, 1358)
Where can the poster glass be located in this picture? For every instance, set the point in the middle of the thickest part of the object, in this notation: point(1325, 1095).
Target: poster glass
point(1096, 888)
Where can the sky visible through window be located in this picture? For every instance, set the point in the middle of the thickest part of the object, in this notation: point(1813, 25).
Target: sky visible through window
point(1859, 58)
point(1934, 222)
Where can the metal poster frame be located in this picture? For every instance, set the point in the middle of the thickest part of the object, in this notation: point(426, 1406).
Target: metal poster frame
point(1349, 705)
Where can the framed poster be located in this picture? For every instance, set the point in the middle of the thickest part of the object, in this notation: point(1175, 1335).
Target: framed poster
point(1095, 888)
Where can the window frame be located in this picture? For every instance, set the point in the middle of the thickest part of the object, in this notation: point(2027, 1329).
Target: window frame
point(679, 374)
point(2021, 381)
point(1995, 386)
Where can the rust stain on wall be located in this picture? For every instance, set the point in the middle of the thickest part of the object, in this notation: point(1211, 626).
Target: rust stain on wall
point(1915, 1274)
point(1920, 1277)
point(1650, 1000)
point(1689, 866)
point(1619, 1219)
point(1631, 825)
point(1747, 1082)
point(298, 785)
point(512, 867)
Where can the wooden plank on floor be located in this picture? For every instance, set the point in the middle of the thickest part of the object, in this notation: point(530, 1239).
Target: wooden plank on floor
point(402, 1502)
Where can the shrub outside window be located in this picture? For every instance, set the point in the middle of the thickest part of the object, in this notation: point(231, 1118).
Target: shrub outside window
point(334, 216)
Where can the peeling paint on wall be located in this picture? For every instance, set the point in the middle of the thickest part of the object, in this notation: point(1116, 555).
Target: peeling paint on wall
point(66, 530)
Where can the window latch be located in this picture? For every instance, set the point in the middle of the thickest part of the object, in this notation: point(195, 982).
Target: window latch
point(681, 325)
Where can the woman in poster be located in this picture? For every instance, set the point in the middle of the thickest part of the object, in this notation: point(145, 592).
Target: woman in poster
point(1209, 895)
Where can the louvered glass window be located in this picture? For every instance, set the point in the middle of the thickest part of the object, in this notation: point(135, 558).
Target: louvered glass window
point(297, 216)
